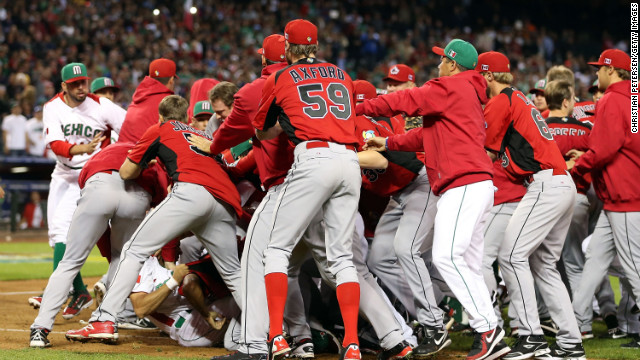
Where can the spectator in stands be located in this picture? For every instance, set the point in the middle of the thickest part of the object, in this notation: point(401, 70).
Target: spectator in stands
point(35, 135)
point(14, 129)
point(33, 215)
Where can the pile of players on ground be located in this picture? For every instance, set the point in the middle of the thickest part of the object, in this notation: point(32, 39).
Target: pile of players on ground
point(422, 210)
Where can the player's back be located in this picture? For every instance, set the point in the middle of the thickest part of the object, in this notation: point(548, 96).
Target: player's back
point(316, 98)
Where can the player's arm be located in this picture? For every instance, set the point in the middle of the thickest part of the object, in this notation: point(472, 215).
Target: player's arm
point(427, 100)
point(496, 116)
point(270, 133)
point(143, 154)
point(370, 159)
point(605, 140)
point(130, 170)
point(235, 129)
point(88, 148)
point(146, 303)
point(268, 112)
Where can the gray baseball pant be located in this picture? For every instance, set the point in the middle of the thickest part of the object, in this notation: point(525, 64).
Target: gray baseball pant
point(533, 243)
point(189, 207)
point(106, 198)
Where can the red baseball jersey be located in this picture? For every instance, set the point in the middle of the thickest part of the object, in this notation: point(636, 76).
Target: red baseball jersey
point(403, 166)
point(571, 133)
point(184, 162)
point(152, 179)
point(517, 131)
point(585, 111)
point(312, 100)
point(508, 190)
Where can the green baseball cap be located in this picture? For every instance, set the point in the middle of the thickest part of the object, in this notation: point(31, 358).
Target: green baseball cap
point(74, 72)
point(539, 88)
point(459, 51)
point(202, 107)
point(103, 83)
point(594, 87)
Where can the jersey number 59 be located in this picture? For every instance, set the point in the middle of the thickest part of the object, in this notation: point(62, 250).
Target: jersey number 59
point(315, 96)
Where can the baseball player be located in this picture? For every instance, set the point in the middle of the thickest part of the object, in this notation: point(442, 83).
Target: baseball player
point(313, 102)
point(537, 229)
point(452, 138)
point(538, 95)
point(221, 97)
point(202, 200)
point(74, 124)
point(105, 87)
point(202, 112)
point(401, 77)
point(612, 160)
point(106, 200)
point(142, 113)
point(174, 313)
point(401, 234)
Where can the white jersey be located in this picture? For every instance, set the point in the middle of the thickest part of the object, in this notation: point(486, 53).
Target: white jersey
point(153, 276)
point(35, 134)
point(16, 128)
point(79, 125)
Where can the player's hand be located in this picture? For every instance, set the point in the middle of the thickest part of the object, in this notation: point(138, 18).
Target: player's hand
point(201, 143)
point(180, 272)
point(574, 154)
point(377, 143)
point(570, 164)
point(215, 320)
point(91, 146)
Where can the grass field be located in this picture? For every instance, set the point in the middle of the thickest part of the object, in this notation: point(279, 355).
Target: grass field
point(32, 260)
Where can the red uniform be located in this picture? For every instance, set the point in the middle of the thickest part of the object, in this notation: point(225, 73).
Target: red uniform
point(614, 152)
point(318, 105)
point(153, 179)
point(508, 190)
point(570, 133)
point(200, 92)
point(584, 111)
point(273, 157)
point(143, 111)
point(517, 131)
point(183, 161)
point(449, 120)
point(403, 166)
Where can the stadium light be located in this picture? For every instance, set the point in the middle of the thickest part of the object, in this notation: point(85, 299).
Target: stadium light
point(193, 10)
point(156, 12)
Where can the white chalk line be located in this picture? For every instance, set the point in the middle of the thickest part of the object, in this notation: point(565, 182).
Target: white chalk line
point(20, 293)
point(64, 332)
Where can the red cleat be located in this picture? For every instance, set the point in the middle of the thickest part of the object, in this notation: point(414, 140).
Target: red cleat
point(77, 304)
point(97, 330)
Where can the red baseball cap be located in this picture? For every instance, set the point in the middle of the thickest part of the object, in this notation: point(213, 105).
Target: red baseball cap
point(614, 57)
point(493, 61)
point(364, 90)
point(273, 48)
point(400, 72)
point(301, 32)
point(162, 68)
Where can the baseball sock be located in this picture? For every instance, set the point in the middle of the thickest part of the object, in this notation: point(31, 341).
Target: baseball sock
point(58, 254)
point(276, 285)
point(349, 299)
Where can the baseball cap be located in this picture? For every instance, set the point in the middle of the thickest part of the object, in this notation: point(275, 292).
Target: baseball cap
point(103, 83)
point(273, 48)
point(202, 107)
point(162, 68)
point(594, 87)
point(493, 61)
point(301, 32)
point(364, 90)
point(400, 72)
point(460, 51)
point(539, 88)
point(74, 72)
point(614, 57)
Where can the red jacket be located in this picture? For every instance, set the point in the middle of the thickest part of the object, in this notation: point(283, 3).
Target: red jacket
point(614, 152)
point(453, 132)
point(143, 111)
point(273, 157)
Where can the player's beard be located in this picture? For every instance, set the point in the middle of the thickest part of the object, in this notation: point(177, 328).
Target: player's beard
point(77, 98)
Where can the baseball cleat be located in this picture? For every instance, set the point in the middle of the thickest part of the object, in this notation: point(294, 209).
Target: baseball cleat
point(528, 346)
point(105, 331)
point(484, 344)
point(568, 352)
point(303, 349)
point(38, 338)
point(278, 348)
point(77, 304)
point(433, 341)
point(351, 352)
point(138, 324)
point(35, 301)
point(401, 351)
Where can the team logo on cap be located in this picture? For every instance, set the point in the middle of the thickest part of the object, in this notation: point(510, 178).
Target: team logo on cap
point(308, 38)
point(360, 97)
point(157, 73)
point(77, 70)
point(286, 36)
point(411, 77)
point(206, 105)
point(607, 61)
point(394, 70)
point(485, 67)
point(108, 82)
point(452, 53)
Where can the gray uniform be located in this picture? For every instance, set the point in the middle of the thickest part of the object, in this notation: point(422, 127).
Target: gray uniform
point(533, 244)
point(188, 207)
point(405, 224)
point(615, 233)
point(106, 198)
